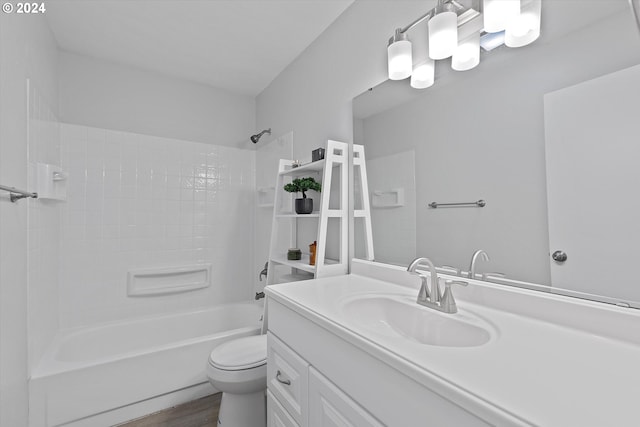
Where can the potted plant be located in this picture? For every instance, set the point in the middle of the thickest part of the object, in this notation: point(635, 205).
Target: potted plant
point(301, 185)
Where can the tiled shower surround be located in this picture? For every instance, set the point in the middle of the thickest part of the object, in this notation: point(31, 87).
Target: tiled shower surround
point(137, 201)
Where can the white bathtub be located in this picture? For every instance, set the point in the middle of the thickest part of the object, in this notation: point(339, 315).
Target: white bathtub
point(92, 371)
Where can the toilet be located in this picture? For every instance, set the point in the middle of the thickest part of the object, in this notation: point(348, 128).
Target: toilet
point(238, 369)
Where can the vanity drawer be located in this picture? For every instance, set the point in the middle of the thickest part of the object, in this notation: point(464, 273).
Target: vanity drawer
point(277, 416)
point(330, 406)
point(288, 378)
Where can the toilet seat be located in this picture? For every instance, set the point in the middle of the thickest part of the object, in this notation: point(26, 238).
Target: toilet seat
point(240, 354)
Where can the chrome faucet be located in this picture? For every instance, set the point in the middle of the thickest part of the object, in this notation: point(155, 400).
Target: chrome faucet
point(424, 295)
point(433, 298)
point(474, 259)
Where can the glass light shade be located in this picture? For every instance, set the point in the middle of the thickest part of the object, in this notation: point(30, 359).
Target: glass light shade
point(443, 35)
point(399, 60)
point(498, 13)
point(423, 74)
point(524, 28)
point(467, 55)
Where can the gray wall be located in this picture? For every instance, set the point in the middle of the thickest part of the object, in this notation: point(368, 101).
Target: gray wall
point(313, 97)
point(480, 135)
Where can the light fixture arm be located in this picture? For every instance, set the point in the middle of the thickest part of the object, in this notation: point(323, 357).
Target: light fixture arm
point(427, 16)
point(398, 35)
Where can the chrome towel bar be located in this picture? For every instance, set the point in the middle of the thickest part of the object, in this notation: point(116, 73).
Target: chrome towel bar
point(479, 204)
point(15, 194)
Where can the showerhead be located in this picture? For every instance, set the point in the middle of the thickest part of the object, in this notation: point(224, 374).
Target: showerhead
point(255, 138)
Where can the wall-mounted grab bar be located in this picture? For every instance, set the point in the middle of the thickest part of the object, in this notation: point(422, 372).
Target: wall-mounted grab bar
point(479, 204)
point(15, 194)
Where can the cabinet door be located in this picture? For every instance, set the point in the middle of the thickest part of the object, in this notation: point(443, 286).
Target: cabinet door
point(287, 378)
point(277, 416)
point(330, 407)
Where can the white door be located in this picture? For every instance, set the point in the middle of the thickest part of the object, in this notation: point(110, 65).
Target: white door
point(593, 185)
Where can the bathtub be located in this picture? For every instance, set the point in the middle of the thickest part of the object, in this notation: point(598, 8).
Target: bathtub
point(87, 373)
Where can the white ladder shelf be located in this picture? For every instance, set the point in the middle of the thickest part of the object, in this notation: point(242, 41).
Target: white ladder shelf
point(327, 224)
point(363, 211)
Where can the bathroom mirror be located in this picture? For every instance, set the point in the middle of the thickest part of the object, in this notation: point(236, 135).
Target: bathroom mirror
point(499, 133)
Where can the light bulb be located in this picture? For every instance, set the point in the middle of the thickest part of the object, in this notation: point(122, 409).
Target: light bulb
point(443, 35)
point(524, 28)
point(399, 57)
point(467, 54)
point(498, 13)
point(423, 74)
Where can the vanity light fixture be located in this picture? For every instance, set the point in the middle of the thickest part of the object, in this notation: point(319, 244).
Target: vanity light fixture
point(457, 29)
point(424, 68)
point(467, 53)
point(525, 27)
point(498, 13)
point(443, 32)
point(424, 74)
point(400, 58)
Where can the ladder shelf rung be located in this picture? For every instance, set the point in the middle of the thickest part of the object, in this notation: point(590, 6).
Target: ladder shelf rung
point(295, 215)
point(336, 213)
point(302, 264)
point(317, 166)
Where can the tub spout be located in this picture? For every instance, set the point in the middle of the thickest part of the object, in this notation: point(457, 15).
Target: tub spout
point(264, 271)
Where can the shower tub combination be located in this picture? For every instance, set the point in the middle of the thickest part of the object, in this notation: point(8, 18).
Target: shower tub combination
point(111, 373)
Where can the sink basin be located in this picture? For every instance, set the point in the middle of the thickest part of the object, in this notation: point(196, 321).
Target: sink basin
point(396, 316)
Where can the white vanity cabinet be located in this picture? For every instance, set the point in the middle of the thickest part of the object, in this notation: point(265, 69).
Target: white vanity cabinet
point(277, 416)
point(367, 358)
point(330, 407)
point(288, 379)
point(299, 395)
point(321, 379)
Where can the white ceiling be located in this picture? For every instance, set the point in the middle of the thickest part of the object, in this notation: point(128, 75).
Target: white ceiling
point(238, 45)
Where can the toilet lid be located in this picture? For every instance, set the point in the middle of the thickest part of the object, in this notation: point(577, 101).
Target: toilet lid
point(241, 353)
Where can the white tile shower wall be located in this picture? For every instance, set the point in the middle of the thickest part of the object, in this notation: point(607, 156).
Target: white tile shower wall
point(137, 201)
point(395, 228)
point(43, 229)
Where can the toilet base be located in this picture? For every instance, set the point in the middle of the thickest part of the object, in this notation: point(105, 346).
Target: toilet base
point(243, 410)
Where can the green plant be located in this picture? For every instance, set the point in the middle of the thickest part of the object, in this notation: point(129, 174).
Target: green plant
point(300, 185)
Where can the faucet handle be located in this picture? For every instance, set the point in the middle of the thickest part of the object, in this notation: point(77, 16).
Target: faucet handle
point(448, 303)
point(423, 294)
point(455, 282)
point(457, 270)
point(496, 275)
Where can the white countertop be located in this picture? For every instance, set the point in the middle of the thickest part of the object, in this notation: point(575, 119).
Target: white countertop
point(543, 369)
